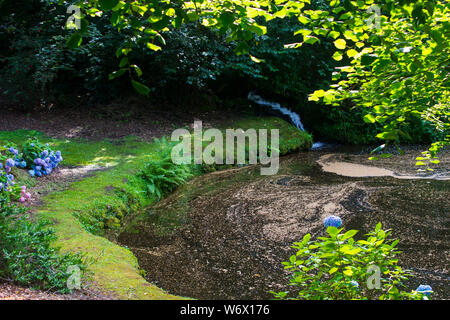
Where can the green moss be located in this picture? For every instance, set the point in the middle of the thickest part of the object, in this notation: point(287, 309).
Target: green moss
point(291, 138)
point(100, 201)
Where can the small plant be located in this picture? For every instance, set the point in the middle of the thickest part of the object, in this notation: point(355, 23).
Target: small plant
point(338, 267)
point(27, 255)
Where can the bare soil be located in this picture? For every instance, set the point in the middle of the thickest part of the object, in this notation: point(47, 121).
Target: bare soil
point(224, 235)
point(113, 121)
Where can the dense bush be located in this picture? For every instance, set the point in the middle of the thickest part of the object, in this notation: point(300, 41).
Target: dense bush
point(37, 68)
point(339, 267)
point(27, 256)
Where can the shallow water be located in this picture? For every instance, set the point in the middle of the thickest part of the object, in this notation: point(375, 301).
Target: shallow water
point(224, 234)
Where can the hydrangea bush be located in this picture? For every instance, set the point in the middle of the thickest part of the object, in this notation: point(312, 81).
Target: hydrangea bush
point(40, 159)
point(338, 267)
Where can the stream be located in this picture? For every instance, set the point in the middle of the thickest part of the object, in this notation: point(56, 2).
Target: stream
point(225, 234)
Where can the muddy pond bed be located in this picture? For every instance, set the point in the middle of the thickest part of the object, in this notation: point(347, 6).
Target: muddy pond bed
point(225, 234)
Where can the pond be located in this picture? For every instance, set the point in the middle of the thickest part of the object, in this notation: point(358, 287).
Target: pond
point(225, 234)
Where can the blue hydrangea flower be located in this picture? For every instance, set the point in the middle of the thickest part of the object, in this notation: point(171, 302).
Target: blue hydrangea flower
point(10, 163)
point(32, 173)
point(354, 283)
point(332, 221)
point(424, 289)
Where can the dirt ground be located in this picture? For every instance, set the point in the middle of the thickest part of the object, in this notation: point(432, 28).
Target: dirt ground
point(236, 227)
point(113, 121)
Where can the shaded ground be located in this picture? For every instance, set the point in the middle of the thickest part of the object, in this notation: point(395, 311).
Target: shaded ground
point(224, 235)
point(113, 121)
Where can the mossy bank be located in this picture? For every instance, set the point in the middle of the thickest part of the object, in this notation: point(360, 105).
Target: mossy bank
point(89, 212)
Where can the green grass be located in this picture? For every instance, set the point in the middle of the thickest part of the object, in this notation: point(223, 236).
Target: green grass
point(99, 202)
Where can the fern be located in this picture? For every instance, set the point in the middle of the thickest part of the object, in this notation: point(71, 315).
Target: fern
point(163, 176)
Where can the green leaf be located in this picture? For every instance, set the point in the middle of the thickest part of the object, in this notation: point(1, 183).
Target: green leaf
point(254, 59)
point(116, 74)
point(340, 44)
point(303, 19)
point(306, 238)
point(256, 28)
point(310, 39)
point(348, 272)
point(334, 34)
point(337, 56)
point(153, 47)
point(332, 231)
point(141, 88)
point(242, 48)
point(74, 41)
point(137, 69)
point(378, 227)
point(123, 62)
point(351, 53)
point(368, 118)
point(107, 4)
point(226, 18)
point(349, 234)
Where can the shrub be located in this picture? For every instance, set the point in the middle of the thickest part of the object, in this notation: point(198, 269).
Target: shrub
point(339, 267)
point(27, 256)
